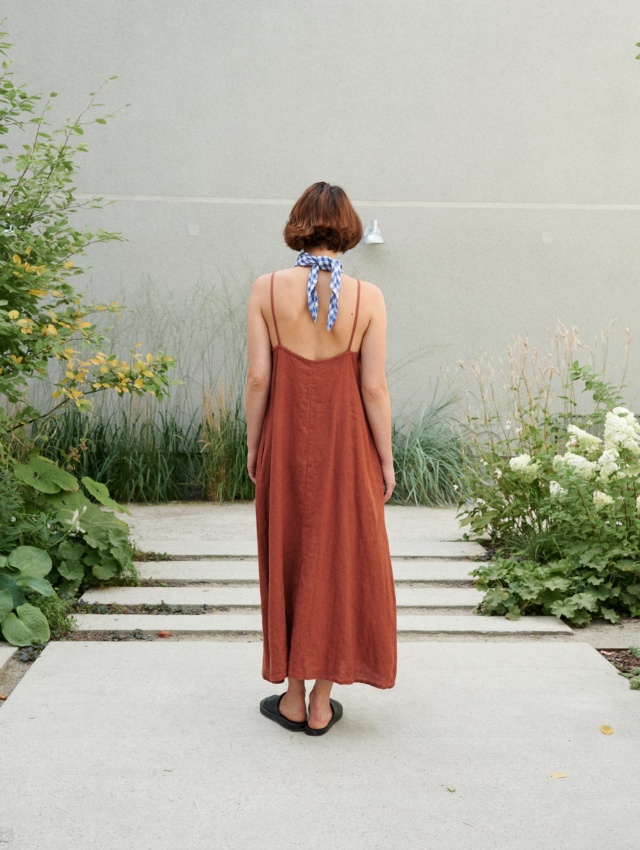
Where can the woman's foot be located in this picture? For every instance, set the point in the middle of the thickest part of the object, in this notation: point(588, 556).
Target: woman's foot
point(320, 712)
point(293, 707)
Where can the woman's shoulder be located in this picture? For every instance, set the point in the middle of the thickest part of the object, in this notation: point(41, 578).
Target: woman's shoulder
point(367, 289)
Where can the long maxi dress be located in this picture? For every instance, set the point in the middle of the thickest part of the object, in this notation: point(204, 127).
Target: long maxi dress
point(327, 592)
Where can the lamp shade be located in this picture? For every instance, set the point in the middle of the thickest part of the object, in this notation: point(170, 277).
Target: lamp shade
point(372, 235)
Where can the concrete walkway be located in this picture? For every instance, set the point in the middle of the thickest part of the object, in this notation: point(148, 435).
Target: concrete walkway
point(159, 744)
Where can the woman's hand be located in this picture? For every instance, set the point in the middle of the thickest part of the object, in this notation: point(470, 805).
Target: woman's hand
point(389, 476)
point(252, 463)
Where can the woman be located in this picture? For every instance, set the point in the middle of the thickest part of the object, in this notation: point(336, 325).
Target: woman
point(319, 443)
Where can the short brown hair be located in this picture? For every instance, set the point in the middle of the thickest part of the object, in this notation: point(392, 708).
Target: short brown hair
point(323, 216)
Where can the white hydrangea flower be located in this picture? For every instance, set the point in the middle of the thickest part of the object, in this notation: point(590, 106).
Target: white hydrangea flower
point(638, 504)
point(621, 430)
point(586, 441)
point(608, 463)
point(576, 463)
point(556, 491)
point(525, 467)
point(601, 500)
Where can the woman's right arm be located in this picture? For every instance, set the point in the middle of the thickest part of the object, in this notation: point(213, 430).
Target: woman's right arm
point(375, 393)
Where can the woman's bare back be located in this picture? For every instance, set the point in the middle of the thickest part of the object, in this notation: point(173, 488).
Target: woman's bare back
point(298, 332)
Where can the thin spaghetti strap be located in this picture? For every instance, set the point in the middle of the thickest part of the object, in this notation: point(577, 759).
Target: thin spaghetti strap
point(273, 312)
point(355, 321)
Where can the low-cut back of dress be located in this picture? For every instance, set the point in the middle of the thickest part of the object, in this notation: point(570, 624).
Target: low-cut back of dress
point(326, 583)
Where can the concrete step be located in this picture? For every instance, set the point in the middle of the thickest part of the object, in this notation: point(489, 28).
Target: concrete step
point(229, 624)
point(434, 571)
point(196, 547)
point(241, 597)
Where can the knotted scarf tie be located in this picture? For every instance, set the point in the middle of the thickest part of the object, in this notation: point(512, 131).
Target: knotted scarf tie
point(329, 265)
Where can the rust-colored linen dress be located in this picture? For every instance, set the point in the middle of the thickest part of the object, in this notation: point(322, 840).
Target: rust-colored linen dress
point(326, 583)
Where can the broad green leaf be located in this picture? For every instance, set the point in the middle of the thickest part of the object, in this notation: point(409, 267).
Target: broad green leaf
point(10, 584)
point(6, 604)
point(70, 551)
point(610, 614)
point(45, 475)
point(67, 503)
point(101, 493)
point(72, 570)
point(563, 608)
point(31, 561)
point(41, 585)
point(35, 620)
point(15, 631)
point(27, 626)
point(557, 583)
point(103, 572)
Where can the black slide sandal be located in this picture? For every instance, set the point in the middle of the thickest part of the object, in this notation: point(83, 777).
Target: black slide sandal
point(337, 714)
point(269, 707)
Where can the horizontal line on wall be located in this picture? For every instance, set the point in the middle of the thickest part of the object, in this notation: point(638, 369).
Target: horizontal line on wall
point(287, 202)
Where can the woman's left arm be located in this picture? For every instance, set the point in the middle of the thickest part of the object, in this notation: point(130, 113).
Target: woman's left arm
point(258, 372)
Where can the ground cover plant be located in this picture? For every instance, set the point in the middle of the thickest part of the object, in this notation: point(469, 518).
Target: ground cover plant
point(551, 484)
point(53, 535)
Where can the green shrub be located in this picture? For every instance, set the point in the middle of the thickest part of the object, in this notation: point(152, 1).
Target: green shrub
point(570, 523)
point(551, 484)
point(65, 543)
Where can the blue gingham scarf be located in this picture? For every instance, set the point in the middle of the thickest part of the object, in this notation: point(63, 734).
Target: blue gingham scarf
point(328, 265)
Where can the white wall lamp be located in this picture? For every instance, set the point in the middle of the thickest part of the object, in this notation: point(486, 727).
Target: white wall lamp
point(372, 235)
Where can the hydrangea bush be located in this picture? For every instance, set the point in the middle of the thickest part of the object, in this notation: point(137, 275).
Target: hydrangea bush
point(566, 526)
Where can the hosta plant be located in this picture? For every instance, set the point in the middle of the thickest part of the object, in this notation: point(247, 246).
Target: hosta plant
point(24, 569)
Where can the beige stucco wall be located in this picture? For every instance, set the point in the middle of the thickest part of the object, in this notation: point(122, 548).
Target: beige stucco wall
point(496, 143)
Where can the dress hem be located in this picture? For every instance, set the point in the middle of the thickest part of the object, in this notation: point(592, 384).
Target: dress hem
point(351, 681)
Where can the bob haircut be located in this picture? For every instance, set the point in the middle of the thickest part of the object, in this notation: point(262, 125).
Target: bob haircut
point(323, 217)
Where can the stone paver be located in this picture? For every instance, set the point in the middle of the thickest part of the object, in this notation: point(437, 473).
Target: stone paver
point(166, 742)
point(229, 570)
point(184, 546)
point(427, 597)
point(233, 623)
point(205, 529)
point(480, 625)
